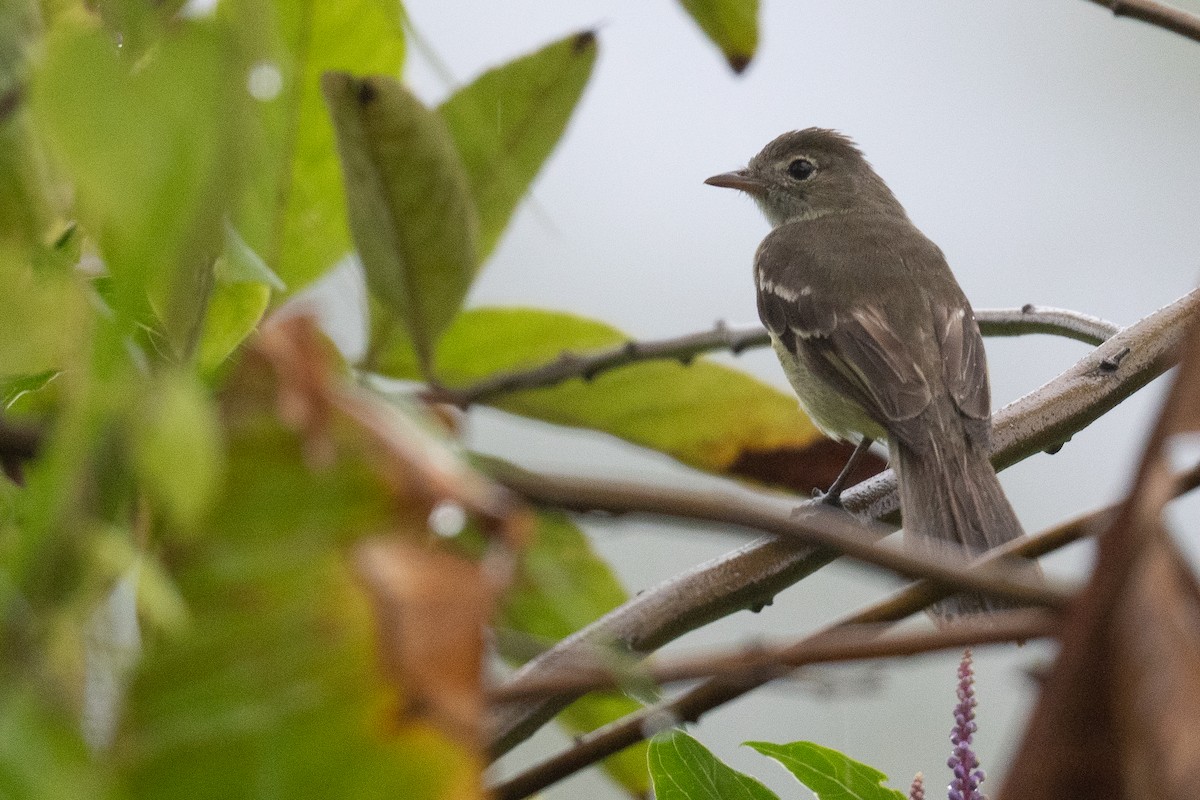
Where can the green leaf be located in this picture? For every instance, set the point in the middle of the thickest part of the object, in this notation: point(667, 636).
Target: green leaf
point(42, 754)
point(177, 447)
point(561, 586)
point(234, 311)
point(684, 769)
point(14, 388)
point(295, 213)
point(508, 121)
point(704, 414)
point(239, 299)
point(411, 212)
point(832, 775)
point(732, 25)
point(241, 264)
point(24, 197)
point(43, 316)
point(155, 163)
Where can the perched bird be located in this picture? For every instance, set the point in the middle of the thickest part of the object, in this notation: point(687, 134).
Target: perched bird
point(876, 337)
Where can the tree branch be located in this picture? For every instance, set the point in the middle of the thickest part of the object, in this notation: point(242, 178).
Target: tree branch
point(858, 643)
point(1158, 14)
point(818, 525)
point(994, 322)
point(689, 706)
point(751, 575)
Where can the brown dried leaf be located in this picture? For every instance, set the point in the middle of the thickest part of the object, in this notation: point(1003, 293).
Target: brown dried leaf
point(1119, 714)
point(431, 609)
point(803, 469)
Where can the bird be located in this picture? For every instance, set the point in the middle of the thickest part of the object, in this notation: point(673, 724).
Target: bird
point(878, 339)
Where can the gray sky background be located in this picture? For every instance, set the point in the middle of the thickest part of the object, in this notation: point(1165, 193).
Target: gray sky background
point(1049, 149)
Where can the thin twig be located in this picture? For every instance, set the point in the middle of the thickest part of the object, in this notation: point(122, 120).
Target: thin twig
point(751, 575)
point(845, 644)
point(817, 525)
point(714, 692)
point(992, 322)
point(1158, 14)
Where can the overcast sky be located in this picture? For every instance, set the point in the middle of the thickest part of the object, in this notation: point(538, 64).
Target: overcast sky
point(1050, 150)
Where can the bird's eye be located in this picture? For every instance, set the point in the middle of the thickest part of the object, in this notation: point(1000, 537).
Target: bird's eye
point(801, 169)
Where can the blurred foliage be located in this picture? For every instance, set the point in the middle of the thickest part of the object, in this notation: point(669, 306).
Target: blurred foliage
point(561, 586)
point(217, 571)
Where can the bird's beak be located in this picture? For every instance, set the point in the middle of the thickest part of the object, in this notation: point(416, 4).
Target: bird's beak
point(739, 179)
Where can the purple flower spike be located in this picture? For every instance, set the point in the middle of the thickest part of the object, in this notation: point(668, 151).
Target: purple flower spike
point(962, 761)
point(917, 790)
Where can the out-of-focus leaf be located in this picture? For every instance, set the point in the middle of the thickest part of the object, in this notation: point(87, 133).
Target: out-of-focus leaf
point(703, 414)
point(177, 447)
point(282, 688)
point(732, 25)
point(151, 187)
point(239, 299)
point(507, 121)
point(23, 393)
point(24, 201)
point(233, 312)
point(830, 774)
point(561, 586)
point(42, 754)
point(292, 596)
point(1118, 715)
point(431, 609)
point(410, 208)
point(684, 769)
point(43, 315)
point(241, 264)
point(561, 583)
point(295, 213)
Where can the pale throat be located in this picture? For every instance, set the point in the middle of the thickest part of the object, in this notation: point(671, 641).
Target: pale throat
point(802, 212)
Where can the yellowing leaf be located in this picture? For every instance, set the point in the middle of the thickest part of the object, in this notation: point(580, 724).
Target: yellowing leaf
point(507, 121)
point(411, 212)
point(703, 414)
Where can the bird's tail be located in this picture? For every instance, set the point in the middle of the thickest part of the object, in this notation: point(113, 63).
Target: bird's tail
point(949, 494)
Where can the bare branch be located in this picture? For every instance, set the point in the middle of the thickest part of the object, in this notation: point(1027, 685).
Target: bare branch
point(844, 644)
point(716, 691)
point(994, 322)
point(817, 525)
point(751, 575)
point(1030, 319)
point(1158, 14)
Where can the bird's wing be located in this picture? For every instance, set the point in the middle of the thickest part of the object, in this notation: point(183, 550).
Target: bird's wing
point(854, 350)
point(964, 365)
point(891, 346)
